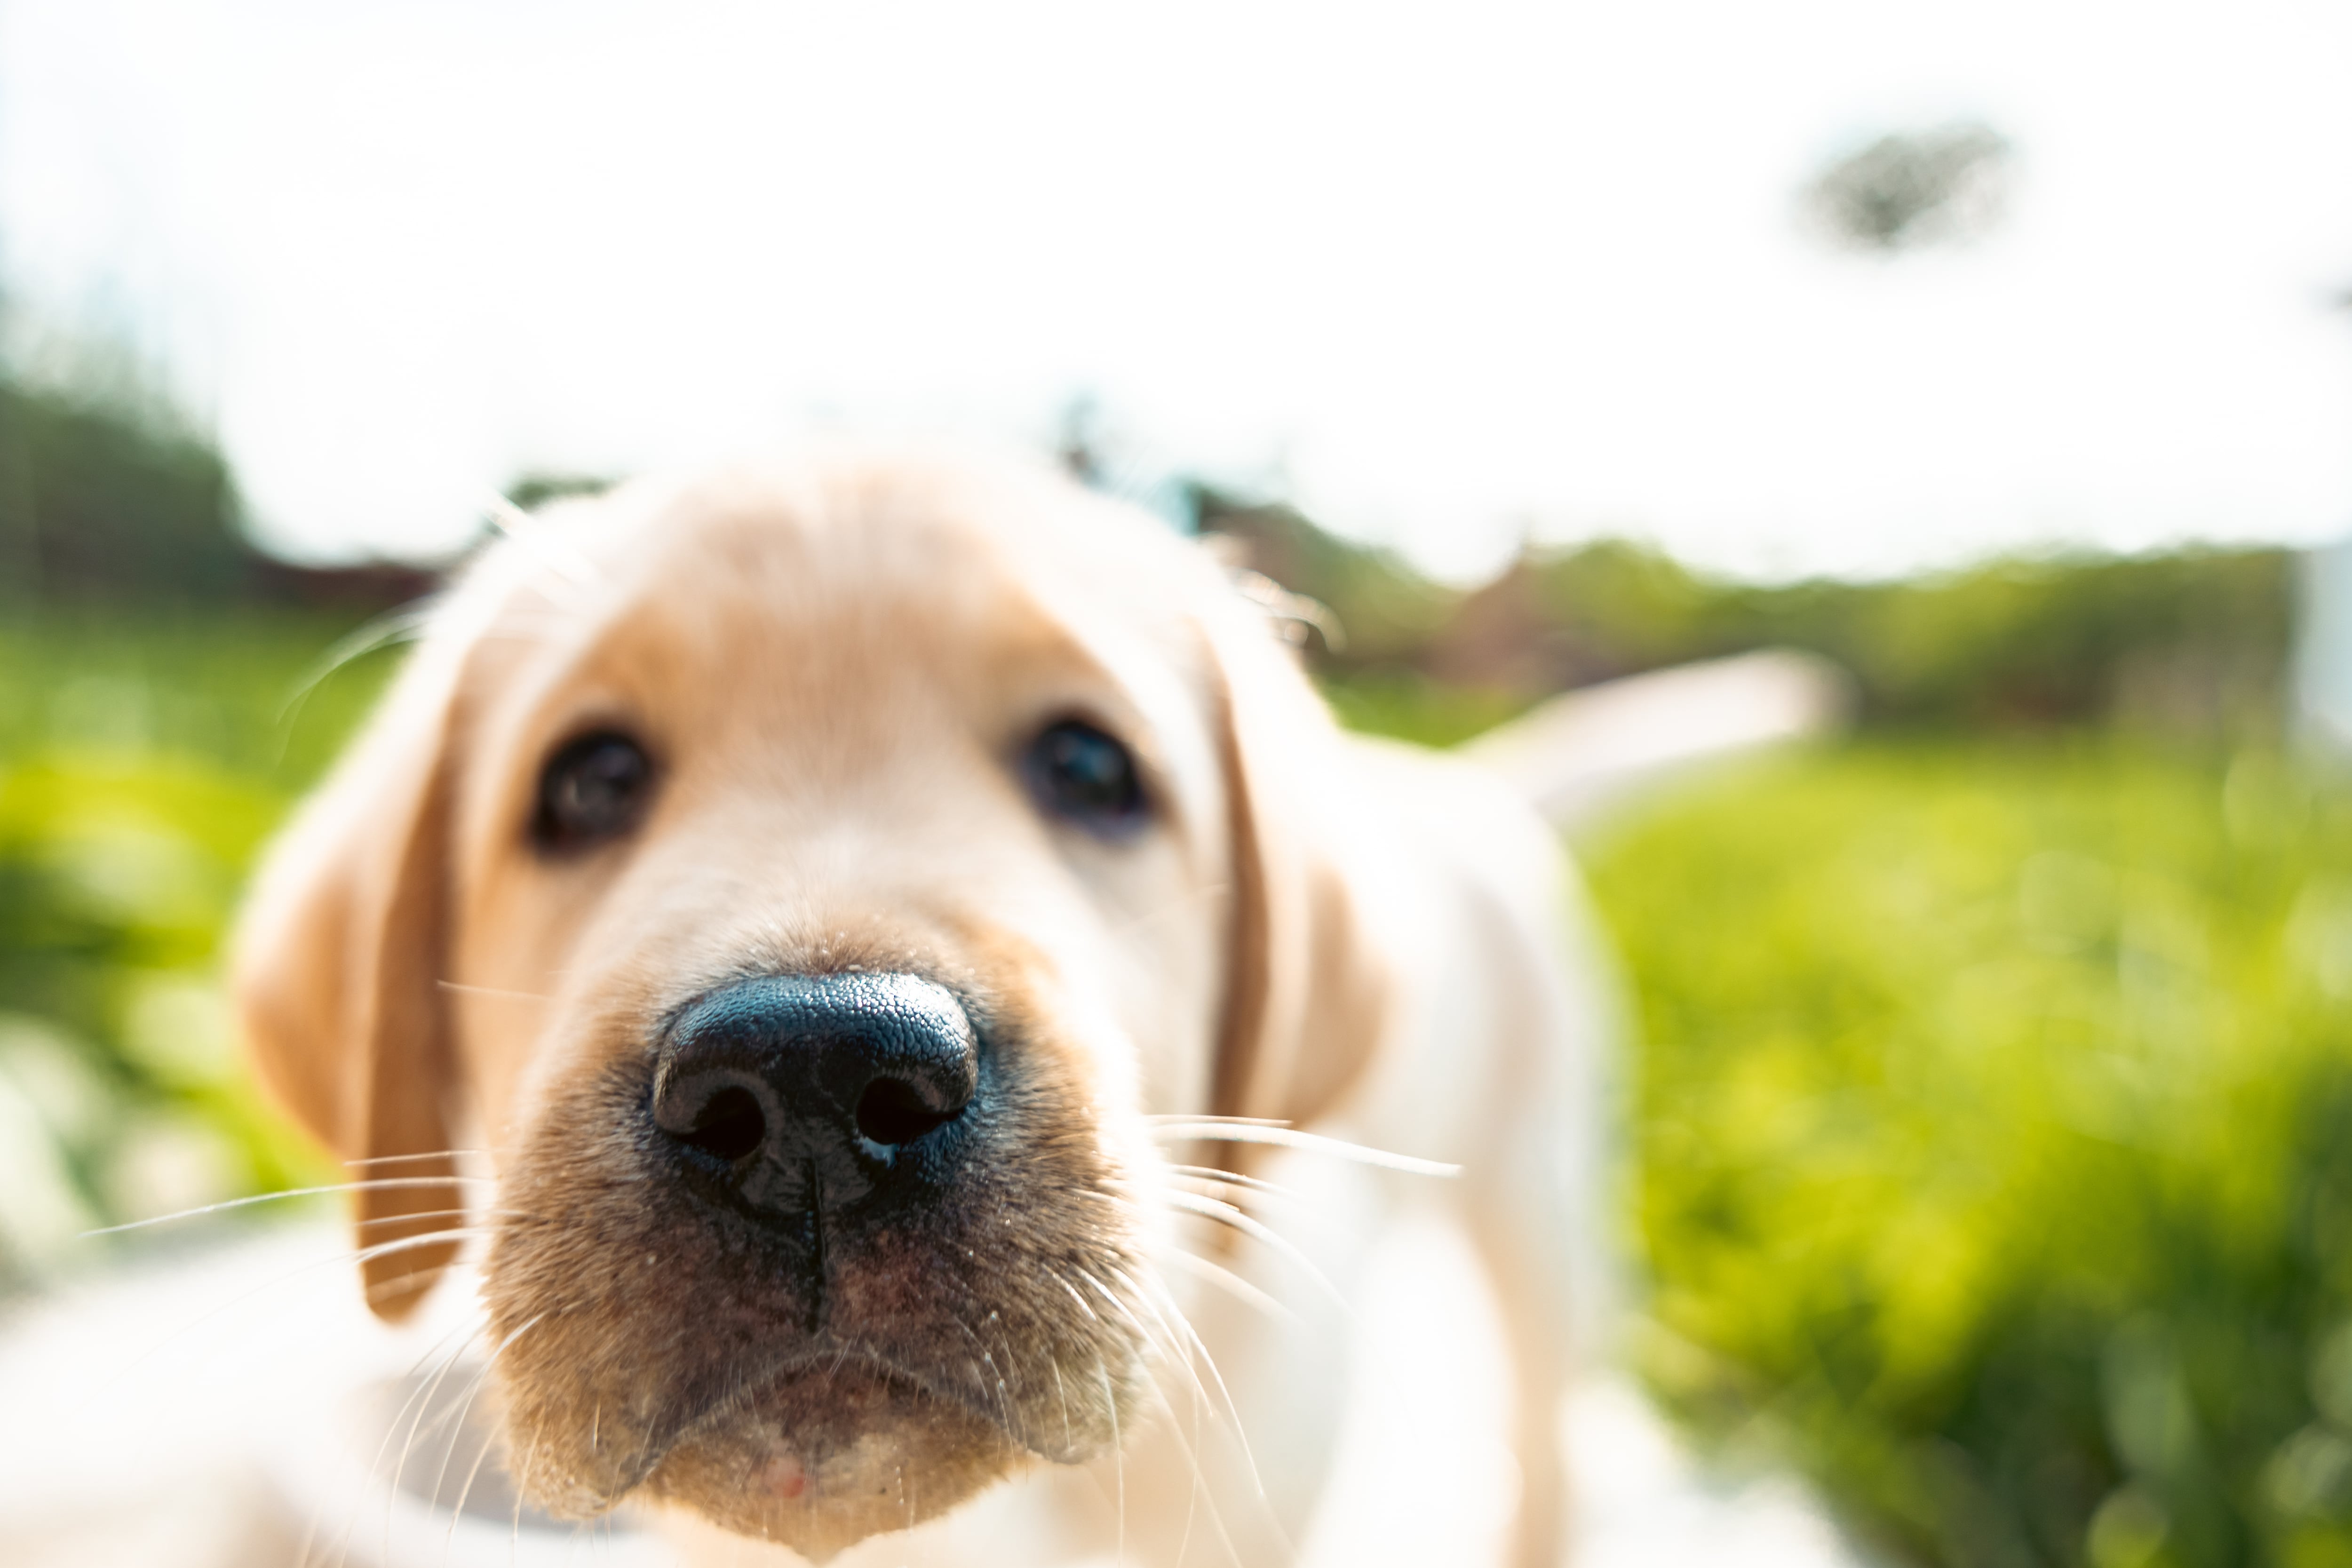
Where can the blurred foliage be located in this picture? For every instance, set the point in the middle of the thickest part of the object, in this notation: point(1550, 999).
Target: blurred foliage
point(112, 495)
point(2192, 644)
point(1992, 1137)
point(1908, 189)
point(535, 488)
point(144, 757)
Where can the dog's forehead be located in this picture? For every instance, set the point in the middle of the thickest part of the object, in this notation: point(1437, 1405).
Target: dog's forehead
point(844, 570)
point(946, 541)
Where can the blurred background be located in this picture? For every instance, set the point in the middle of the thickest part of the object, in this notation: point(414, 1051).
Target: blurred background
point(1987, 1143)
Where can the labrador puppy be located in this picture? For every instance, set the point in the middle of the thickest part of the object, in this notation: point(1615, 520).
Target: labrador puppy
point(872, 946)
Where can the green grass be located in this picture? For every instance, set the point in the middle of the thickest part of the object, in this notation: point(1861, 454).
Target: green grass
point(143, 759)
point(1992, 1136)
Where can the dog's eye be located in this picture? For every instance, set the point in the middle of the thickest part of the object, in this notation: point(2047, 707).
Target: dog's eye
point(592, 789)
point(1078, 772)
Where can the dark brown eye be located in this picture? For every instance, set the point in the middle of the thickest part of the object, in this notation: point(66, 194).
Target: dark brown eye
point(592, 789)
point(1084, 776)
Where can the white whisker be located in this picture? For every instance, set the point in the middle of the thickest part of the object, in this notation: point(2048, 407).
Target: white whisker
point(457, 1509)
point(401, 624)
point(1062, 1396)
point(1176, 1351)
point(383, 1220)
point(1233, 1409)
point(1226, 1214)
point(418, 1396)
point(1199, 1484)
point(449, 1236)
point(1055, 1277)
point(423, 1405)
point(1239, 1130)
point(1217, 1274)
point(376, 1184)
point(1118, 1460)
point(1189, 1116)
point(1214, 1176)
point(318, 1513)
point(415, 1159)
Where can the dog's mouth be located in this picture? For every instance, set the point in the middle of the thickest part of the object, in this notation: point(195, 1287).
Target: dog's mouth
point(826, 1399)
point(835, 1394)
point(837, 1445)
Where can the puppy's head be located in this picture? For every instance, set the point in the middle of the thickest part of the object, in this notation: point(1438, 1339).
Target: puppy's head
point(806, 886)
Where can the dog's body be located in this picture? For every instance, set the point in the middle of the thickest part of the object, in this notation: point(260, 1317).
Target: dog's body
point(836, 901)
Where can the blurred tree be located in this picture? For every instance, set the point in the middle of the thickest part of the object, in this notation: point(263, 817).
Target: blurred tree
point(2191, 642)
point(1914, 188)
point(98, 498)
point(108, 494)
point(534, 488)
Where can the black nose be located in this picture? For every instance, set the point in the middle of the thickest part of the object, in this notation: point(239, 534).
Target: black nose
point(800, 1092)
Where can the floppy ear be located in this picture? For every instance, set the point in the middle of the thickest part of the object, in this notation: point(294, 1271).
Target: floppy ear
point(1307, 994)
point(337, 979)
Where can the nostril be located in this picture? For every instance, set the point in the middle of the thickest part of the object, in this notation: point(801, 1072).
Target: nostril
point(893, 1110)
point(729, 1124)
point(779, 1091)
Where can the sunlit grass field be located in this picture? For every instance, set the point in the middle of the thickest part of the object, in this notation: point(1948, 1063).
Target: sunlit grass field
point(1990, 1142)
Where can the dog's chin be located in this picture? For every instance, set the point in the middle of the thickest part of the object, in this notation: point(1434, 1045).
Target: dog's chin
point(827, 1456)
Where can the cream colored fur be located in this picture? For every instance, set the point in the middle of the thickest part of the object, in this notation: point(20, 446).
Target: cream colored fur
point(834, 662)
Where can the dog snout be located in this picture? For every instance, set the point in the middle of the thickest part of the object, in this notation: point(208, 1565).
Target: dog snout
point(801, 1092)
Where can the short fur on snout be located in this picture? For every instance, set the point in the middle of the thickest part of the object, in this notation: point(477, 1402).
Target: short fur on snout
point(837, 668)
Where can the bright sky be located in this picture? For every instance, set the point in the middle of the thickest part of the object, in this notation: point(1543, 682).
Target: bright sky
point(1446, 274)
